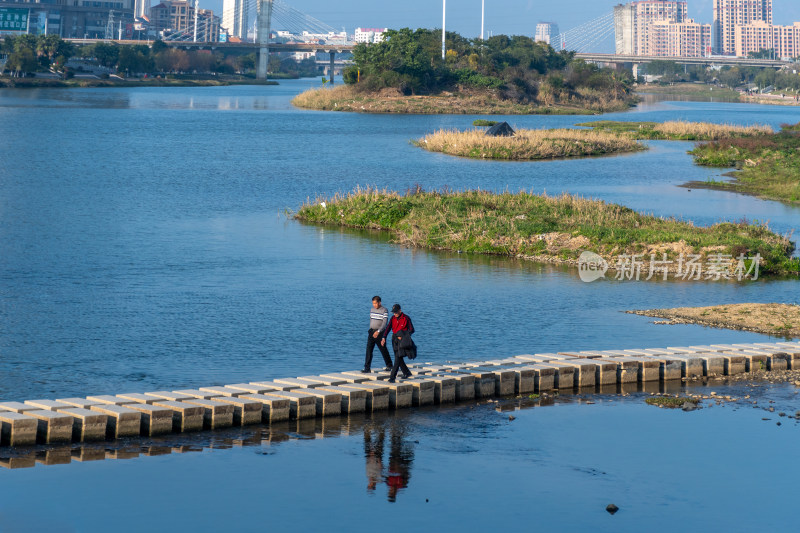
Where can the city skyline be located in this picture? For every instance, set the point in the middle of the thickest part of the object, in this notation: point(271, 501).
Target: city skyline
point(518, 17)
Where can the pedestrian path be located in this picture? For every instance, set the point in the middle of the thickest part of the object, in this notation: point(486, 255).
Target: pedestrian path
point(341, 394)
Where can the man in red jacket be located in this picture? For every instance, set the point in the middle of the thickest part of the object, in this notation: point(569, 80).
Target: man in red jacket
point(400, 324)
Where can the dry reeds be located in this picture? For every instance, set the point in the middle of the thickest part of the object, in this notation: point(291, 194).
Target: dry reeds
point(528, 144)
point(708, 131)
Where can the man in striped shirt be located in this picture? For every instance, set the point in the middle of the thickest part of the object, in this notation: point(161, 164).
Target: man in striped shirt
point(378, 320)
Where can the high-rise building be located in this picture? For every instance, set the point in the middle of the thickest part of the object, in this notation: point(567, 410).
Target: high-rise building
point(547, 32)
point(648, 12)
point(731, 13)
point(680, 39)
point(177, 16)
point(234, 18)
point(141, 8)
point(783, 41)
point(624, 21)
point(76, 18)
point(633, 24)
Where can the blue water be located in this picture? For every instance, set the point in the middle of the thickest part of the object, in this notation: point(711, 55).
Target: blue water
point(144, 243)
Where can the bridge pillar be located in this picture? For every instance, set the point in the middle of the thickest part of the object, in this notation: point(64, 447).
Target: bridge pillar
point(262, 37)
point(333, 56)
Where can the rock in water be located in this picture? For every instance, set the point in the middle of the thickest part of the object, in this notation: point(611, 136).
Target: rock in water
point(501, 129)
point(611, 508)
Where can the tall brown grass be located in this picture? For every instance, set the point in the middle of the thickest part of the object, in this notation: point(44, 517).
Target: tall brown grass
point(709, 131)
point(528, 144)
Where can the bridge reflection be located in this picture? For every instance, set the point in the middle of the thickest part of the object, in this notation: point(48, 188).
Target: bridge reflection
point(391, 466)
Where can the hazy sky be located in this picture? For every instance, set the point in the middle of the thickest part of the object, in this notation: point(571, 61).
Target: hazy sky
point(502, 16)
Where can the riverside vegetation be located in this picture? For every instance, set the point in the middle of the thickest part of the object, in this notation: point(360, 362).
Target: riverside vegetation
point(769, 165)
point(678, 130)
point(770, 318)
point(500, 75)
point(30, 54)
point(528, 144)
point(768, 162)
point(541, 227)
point(605, 137)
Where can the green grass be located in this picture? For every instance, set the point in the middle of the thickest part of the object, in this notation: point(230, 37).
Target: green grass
point(671, 402)
point(692, 89)
point(483, 122)
point(769, 166)
point(554, 228)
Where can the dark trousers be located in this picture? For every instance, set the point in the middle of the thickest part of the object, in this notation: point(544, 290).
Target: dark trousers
point(399, 361)
point(371, 342)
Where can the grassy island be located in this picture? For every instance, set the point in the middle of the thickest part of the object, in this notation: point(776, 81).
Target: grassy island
point(678, 130)
point(528, 144)
point(769, 165)
point(770, 318)
point(553, 229)
point(768, 162)
point(501, 75)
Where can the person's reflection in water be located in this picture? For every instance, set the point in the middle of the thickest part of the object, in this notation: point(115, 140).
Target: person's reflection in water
point(373, 451)
point(401, 455)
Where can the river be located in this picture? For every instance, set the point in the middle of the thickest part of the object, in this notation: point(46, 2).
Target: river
point(144, 241)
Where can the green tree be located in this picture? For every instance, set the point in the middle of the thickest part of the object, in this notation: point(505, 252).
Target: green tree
point(22, 60)
point(730, 77)
point(762, 54)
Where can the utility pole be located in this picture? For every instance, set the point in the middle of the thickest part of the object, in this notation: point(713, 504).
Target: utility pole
point(483, 9)
point(444, 13)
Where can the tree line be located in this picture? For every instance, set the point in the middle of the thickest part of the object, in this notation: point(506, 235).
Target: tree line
point(42, 53)
point(731, 77)
point(516, 67)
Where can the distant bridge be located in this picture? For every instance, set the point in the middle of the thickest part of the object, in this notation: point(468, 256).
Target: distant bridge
point(714, 60)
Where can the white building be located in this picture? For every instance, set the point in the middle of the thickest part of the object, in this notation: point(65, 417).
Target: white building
point(369, 35)
point(547, 32)
point(234, 18)
point(141, 8)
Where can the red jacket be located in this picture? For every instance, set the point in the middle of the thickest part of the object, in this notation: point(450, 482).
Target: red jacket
point(399, 323)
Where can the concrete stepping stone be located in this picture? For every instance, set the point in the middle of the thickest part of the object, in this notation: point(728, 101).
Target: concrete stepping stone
point(423, 392)
point(327, 403)
point(735, 363)
point(86, 425)
point(223, 391)
point(155, 420)
point(256, 387)
point(353, 401)
point(300, 405)
point(377, 395)
point(215, 414)
point(48, 405)
point(137, 397)
point(318, 381)
point(444, 389)
point(356, 378)
point(83, 403)
point(17, 429)
point(17, 407)
point(245, 412)
point(170, 395)
point(649, 369)
point(52, 427)
point(691, 364)
point(200, 394)
point(121, 421)
point(185, 416)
